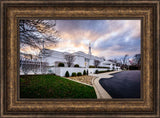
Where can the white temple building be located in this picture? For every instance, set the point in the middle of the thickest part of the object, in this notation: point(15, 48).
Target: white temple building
point(52, 59)
point(81, 58)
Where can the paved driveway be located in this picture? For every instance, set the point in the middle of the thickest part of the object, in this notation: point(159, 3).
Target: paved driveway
point(125, 84)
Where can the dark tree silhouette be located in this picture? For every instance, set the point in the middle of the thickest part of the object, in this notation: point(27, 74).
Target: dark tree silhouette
point(70, 59)
point(122, 62)
point(136, 61)
point(96, 63)
point(34, 32)
point(125, 59)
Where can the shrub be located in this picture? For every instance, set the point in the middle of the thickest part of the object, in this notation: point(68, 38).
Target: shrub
point(61, 65)
point(91, 66)
point(74, 74)
point(96, 72)
point(84, 72)
point(79, 74)
point(104, 67)
point(87, 72)
point(67, 74)
point(76, 65)
point(133, 68)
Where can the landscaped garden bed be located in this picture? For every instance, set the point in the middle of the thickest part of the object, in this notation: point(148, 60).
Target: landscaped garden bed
point(85, 79)
point(51, 86)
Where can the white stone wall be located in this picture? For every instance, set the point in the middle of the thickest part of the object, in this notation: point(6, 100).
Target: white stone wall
point(62, 70)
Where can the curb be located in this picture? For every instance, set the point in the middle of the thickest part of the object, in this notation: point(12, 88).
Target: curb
point(100, 91)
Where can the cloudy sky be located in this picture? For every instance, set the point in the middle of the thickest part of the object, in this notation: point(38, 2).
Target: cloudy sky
point(108, 38)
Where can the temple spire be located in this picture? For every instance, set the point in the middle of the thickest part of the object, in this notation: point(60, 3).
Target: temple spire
point(90, 53)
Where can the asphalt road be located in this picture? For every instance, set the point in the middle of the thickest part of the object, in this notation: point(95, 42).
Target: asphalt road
point(125, 84)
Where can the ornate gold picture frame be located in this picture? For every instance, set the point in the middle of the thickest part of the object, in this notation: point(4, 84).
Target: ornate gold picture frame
point(146, 11)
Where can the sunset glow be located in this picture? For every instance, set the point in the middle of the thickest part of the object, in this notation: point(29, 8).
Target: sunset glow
point(108, 38)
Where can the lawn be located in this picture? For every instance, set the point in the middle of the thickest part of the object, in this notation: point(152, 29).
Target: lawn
point(51, 86)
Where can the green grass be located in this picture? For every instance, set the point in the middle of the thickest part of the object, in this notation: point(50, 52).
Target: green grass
point(51, 86)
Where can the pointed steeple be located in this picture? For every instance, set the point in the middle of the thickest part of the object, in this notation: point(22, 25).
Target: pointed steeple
point(90, 53)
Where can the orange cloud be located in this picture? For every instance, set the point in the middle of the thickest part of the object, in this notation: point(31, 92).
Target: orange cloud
point(77, 38)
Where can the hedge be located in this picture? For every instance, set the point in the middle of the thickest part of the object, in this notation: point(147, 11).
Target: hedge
point(79, 74)
point(76, 65)
point(74, 74)
point(87, 72)
point(84, 72)
point(91, 66)
point(96, 72)
point(67, 74)
point(61, 65)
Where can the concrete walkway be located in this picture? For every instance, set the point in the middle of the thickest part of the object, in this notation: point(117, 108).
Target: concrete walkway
point(100, 91)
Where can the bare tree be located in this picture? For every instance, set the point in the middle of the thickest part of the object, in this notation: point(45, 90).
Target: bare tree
point(124, 62)
point(125, 59)
point(45, 52)
point(33, 31)
point(70, 59)
point(136, 60)
point(36, 34)
point(96, 63)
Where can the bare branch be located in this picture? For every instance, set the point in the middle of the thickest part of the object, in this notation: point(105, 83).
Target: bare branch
point(33, 31)
point(96, 63)
point(70, 59)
